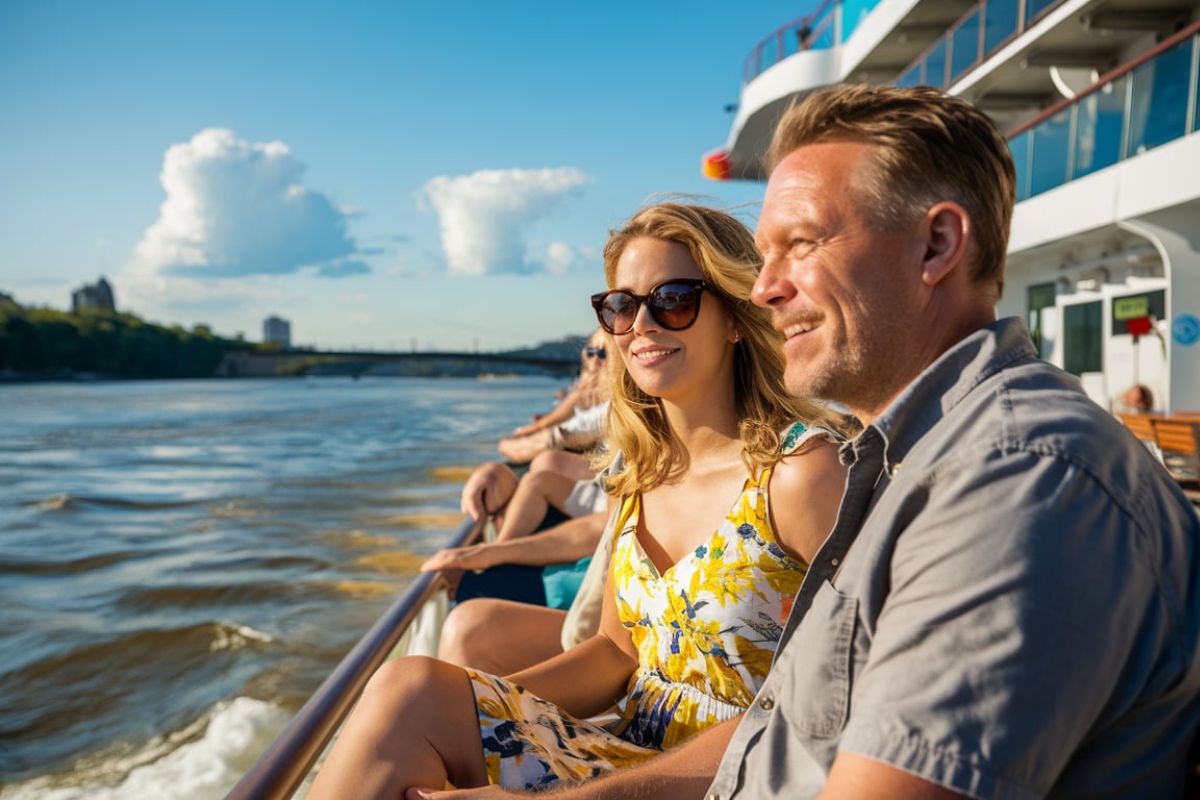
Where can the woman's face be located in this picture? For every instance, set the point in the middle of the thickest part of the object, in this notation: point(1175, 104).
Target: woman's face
point(664, 363)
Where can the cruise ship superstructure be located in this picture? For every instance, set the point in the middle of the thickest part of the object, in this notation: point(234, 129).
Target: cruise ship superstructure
point(1099, 101)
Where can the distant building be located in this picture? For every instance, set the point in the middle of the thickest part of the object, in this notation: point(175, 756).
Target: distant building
point(278, 331)
point(96, 296)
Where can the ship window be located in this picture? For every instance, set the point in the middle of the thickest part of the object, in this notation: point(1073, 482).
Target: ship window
point(1098, 122)
point(1082, 337)
point(999, 23)
point(1041, 297)
point(1137, 305)
point(1158, 110)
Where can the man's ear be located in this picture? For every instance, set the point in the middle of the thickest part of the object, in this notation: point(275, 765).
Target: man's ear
point(949, 232)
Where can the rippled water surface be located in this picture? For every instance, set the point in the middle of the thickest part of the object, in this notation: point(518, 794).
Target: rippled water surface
point(182, 563)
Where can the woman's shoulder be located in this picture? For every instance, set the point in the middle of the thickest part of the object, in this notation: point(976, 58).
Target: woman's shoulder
point(810, 465)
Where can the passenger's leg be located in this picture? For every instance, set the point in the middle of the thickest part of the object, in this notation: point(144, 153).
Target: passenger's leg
point(501, 637)
point(415, 725)
point(536, 492)
point(572, 465)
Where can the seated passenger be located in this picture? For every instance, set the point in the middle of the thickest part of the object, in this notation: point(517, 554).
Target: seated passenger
point(578, 430)
point(692, 615)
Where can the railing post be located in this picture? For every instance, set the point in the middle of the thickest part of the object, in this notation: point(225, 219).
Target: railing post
point(1073, 134)
point(1126, 117)
point(1193, 86)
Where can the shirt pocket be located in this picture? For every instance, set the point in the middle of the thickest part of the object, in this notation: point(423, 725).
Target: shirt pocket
point(820, 668)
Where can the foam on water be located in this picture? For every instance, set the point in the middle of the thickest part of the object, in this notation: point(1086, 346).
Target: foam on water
point(179, 765)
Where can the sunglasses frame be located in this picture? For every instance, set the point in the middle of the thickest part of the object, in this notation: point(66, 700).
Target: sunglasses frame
point(697, 285)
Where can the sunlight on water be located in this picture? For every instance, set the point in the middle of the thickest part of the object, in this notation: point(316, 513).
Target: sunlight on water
point(183, 562)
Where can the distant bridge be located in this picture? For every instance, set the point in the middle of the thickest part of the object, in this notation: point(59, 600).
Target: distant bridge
point(245, 363)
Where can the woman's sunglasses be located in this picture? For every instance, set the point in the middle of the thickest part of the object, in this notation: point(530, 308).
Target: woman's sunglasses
point(595, 352)
point(673, 304)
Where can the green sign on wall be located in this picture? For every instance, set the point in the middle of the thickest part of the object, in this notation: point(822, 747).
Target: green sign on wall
point(1124, 308)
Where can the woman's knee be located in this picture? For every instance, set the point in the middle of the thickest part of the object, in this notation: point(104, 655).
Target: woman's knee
point(407, 684)
point(467, 632)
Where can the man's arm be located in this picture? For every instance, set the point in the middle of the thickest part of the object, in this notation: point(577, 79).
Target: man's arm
point(854, 776)
point(684, 772)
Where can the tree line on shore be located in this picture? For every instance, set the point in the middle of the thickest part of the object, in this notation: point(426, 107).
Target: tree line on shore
point(45, 342)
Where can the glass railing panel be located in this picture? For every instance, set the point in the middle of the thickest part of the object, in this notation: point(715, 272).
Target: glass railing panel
point(1034, 8)
point(1051, 143)
point(964, 46)
point(912, 77)
point(1159, 97)
point(769, 54)
point(1019, 147)
point(823, 33)
point(853, 13)
point(1099, 121)
point(999, 23)
point(789, 41)
point(935, 65)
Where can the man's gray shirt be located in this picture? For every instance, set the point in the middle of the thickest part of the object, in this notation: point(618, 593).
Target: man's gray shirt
point(1007, 605)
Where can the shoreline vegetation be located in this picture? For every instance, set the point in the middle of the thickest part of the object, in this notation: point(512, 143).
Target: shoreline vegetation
point(46, 344)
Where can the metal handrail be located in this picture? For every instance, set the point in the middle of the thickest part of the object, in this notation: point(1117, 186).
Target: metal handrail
point(752, 67)
point(1107, 78)
point(283, 766)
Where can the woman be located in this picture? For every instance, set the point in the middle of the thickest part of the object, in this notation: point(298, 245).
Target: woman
point(691, 615)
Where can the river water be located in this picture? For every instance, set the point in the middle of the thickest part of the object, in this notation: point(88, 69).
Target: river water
point(182, 563)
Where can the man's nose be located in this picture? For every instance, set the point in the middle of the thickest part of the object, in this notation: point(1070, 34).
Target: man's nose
point(773, 287)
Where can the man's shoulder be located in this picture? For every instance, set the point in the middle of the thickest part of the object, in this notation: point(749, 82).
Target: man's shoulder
point(1035, 414)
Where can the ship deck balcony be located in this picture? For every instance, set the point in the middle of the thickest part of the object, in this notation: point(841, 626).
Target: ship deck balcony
point(1012, 58)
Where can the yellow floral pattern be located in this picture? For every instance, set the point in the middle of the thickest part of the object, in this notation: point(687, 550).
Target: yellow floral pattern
point(705, 630)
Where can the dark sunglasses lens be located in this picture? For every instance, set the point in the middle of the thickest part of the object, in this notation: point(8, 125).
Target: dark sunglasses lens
point(618, 312)
point(675, 305)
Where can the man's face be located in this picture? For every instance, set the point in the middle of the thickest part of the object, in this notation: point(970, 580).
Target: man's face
point(846, 293)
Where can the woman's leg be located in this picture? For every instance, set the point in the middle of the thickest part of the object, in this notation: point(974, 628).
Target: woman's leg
point(500, 636)
point(536, 492)
point(415, 725)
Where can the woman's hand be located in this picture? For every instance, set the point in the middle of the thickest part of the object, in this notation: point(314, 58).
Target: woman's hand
point(482, 793)
point(477, 556)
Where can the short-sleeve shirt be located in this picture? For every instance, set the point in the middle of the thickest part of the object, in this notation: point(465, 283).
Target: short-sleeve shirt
point(1007, 606)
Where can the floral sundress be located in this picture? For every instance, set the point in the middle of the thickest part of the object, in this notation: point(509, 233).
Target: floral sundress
point(705, 629)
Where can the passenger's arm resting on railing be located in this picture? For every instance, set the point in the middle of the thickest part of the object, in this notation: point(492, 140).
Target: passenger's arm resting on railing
point(567, 541)
point(592, 676)
point(684, 772)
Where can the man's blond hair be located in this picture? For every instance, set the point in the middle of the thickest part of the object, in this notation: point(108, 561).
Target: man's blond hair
point(927, 147)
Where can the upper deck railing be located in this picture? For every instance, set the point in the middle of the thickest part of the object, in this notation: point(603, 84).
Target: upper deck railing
point(981, 31)
point(831, 24)
point(1136, 107)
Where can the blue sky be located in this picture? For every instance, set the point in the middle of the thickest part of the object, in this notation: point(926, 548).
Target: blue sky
point(378, 173)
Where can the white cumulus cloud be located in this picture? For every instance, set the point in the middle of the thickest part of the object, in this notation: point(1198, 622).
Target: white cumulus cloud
point(237, 208)
point(484, 215)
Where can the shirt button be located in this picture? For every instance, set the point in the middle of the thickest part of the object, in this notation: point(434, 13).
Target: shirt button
point(767, 703)
point(712, 796)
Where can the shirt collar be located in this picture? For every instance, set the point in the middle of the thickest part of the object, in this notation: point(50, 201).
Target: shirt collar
point(945, 382)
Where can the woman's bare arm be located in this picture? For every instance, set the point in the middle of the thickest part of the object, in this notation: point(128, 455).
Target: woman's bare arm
point(805, 493)
point(592, 676)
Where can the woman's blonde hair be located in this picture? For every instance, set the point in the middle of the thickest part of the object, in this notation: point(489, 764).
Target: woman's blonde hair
point(724, 251)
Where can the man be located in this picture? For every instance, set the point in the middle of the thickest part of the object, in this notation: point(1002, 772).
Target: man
point(1006, 606)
